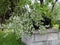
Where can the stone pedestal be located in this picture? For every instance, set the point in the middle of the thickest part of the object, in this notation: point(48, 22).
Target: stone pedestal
point(51, 37)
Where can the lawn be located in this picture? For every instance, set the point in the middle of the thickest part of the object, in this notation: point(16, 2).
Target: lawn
point(8, 38)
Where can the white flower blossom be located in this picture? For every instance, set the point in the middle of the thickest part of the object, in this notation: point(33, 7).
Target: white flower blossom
point(27, 8)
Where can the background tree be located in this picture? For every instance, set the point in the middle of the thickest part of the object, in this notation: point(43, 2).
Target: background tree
point(25, 16)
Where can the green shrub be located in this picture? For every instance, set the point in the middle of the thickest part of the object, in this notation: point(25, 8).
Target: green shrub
point(9, 39)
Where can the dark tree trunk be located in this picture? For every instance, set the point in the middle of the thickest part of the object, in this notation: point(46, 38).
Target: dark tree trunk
point(41, 1)
point(53, 4)
point(12, 6)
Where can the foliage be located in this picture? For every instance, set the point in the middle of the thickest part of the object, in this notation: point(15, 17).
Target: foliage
point(23, 21)
point(56, 14)
point(8, 38)
point(4, 6)
point(26, 15)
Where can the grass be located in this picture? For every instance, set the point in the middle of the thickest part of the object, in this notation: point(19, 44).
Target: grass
point(9, 39)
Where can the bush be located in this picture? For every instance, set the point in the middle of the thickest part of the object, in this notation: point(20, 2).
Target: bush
point(9, 39)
